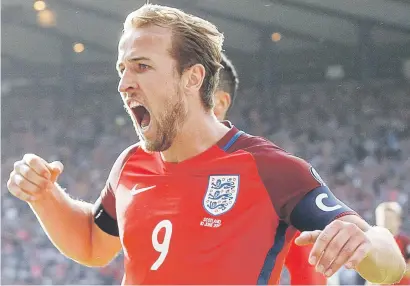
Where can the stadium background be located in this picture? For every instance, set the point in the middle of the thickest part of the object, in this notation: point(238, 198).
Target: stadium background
point(326, 80)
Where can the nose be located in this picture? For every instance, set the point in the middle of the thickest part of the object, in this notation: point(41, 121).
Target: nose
point(127, 83)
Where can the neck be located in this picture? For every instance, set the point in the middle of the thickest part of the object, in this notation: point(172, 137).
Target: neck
point(199, 132)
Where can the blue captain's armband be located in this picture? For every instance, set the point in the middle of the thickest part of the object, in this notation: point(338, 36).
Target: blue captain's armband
point(317, 209)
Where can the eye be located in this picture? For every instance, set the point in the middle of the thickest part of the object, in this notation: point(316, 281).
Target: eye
point(143, 67)
point(120, 70)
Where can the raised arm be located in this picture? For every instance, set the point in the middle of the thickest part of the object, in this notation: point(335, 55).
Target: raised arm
point(68, 223)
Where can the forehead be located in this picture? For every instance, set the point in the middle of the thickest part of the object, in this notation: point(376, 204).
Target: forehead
point(144, 41)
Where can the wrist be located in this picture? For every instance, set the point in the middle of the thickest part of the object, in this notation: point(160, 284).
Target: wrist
point(47, 197)
point(385, 255)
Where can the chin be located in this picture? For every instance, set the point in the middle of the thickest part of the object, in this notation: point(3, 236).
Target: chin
point(161, 144)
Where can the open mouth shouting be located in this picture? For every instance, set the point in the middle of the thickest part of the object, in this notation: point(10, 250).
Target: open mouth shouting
point(141, 114)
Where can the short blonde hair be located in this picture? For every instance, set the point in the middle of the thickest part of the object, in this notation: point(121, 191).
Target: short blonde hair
point(388, 206)
point(194, 41)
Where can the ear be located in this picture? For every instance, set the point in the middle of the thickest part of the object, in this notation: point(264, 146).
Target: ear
point(193, 78)
point(222, 102)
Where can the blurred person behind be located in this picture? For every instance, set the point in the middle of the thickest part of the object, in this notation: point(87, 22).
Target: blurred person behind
point(389, 215)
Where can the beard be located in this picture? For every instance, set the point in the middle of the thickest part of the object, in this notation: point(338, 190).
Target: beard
point(167, 125)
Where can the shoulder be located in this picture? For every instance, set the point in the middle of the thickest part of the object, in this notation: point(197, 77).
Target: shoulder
point(260, 148)
point(120, 163)
point(104, 209)
point(254, 144)
point(125, 154)
point(286, 178)
point(272, 159)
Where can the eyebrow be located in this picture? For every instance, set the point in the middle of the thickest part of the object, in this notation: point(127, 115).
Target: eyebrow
point(136, 59)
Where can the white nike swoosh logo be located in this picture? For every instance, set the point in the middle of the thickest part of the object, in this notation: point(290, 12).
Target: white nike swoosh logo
point(135, 191)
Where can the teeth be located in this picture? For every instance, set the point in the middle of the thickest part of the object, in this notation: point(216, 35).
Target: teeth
point(133, 104)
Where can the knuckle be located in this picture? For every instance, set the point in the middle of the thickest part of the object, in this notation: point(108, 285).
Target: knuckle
point(324, 237)
point(20, 182)
point(17, 164)
point(27, 157)
point(35, 161)
point(23, 184)
point(347, 250)
point(330, 255)
point(325, 261)
point(337, 263)
point(337, 244)
point(30, 159)
point(351, 227)
point(334, 226)
point(24, 170)
point(337, 223)
point(358, 236)
point(46, 173)
point(328, 227)
point(43, 184)
point(362, 251)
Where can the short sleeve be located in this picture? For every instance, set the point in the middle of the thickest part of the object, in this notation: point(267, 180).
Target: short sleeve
point(298, 194)
point(287, 179)
point(107, 196)
point(104, 211)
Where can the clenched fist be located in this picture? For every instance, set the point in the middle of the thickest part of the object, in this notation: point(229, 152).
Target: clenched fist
point(32, 177)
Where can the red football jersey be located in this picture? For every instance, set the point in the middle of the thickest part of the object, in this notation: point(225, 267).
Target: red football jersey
point(301, 272)
point(222, 217)
point(404, 245)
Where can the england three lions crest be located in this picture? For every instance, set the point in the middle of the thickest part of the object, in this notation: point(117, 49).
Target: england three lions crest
point(221, 194)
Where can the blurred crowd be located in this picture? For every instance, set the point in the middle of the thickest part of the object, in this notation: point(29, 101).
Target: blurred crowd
point(357, 136)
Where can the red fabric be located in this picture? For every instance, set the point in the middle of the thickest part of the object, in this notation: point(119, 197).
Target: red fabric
point(170, 232)
point(404, 244)
point(301, 272)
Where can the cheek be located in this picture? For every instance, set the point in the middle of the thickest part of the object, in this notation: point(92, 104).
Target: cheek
point(154, 89)
point(160, 91)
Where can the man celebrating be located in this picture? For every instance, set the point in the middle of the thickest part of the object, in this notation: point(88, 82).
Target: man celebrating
point(301, 272)
point(197, 201)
